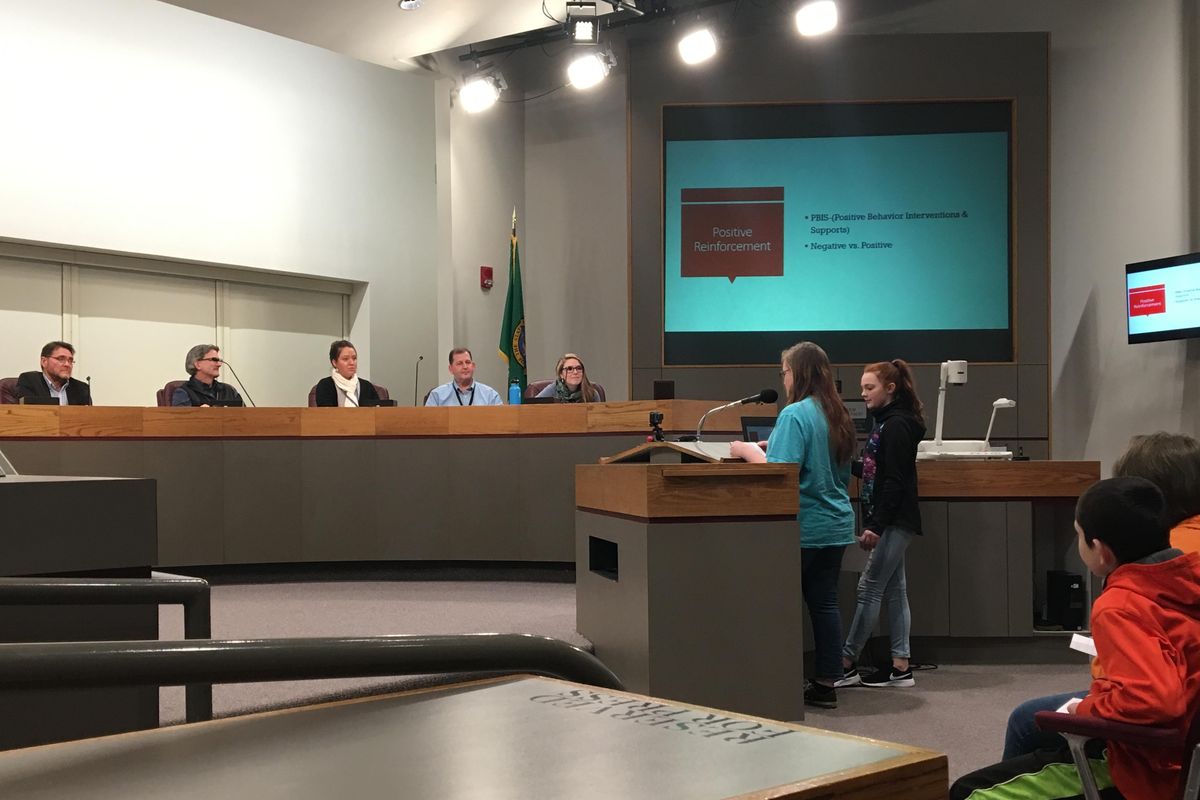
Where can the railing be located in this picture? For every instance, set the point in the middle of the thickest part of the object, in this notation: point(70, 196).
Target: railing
point(191, 593)
point(97, 664)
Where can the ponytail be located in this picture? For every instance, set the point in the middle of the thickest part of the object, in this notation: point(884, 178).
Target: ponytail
point(898, 372)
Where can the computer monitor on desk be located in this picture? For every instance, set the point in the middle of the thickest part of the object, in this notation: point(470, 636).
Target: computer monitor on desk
point(757, 429)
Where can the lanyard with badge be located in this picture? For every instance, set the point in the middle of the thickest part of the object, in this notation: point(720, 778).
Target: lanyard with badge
point(458, 396)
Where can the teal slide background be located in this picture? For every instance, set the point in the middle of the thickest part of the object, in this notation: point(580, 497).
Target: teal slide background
point(940, 274)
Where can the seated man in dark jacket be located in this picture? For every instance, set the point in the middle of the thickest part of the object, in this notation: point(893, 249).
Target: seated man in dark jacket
point(58, 362)
point(203, 363)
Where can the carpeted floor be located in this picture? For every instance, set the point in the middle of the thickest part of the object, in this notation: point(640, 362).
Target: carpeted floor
point(957, 709)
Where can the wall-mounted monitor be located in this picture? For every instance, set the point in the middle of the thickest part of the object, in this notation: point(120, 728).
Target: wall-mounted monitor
point(1162, 299)
point(878, 230)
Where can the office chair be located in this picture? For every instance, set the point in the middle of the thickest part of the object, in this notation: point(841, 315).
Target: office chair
point(8, 391)
point(1077, 730)
point(380, 390)
point(163, 395)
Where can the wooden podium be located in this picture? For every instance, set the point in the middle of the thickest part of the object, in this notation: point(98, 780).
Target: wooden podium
point(688, 578)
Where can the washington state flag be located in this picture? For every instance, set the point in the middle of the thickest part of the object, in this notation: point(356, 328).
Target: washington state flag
point(512, 326)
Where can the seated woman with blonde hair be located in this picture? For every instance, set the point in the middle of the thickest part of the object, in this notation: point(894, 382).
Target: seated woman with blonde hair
point(343, 387)
point(572, 384)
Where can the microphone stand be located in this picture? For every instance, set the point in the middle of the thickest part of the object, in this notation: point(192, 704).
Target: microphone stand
point(700, 427)
point(239, 382)
point(417, 378)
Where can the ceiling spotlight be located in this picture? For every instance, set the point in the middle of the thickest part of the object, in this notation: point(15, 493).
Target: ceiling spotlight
point(817, 17)
point(582, 25)
point(697, 46)
point(481, 92)
point(410, 5)
point(586, 71)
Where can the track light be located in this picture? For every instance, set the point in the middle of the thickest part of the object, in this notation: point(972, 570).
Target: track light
point(697, 46)
point(588, 70)
point(582, 25)
point(817, 17)
point(481, 92)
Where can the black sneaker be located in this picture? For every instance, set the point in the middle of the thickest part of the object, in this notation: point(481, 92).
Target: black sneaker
point(891, 677)
point(850, 677)
point(820, 695)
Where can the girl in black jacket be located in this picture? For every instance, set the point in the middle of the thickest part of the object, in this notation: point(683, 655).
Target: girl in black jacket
point(891, 518)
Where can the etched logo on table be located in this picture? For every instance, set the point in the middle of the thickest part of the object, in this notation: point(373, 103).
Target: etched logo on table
point(664, 716)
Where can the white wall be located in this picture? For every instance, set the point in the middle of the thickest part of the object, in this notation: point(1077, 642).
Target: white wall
point(487, 179)
point(577, 289)
point(139, 127)
point(1120, 154)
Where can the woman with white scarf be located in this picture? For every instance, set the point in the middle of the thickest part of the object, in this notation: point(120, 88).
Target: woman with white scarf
point(343, 387)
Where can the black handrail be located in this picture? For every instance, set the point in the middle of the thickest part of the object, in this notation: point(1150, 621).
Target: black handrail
point(92, 664)
point(191, 593)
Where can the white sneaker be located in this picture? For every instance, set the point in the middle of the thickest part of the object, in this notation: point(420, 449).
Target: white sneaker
point(890, 677)
point(850, 677)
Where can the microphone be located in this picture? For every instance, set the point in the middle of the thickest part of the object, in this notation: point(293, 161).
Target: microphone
point(765, 396)
point(239, 382)
point(417, 378)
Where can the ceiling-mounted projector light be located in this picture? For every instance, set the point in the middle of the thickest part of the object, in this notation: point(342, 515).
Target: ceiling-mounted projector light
point(481, 92)
point(697, 46)
point(587, 71)
point(409, 5)
point(582, 25)
point(816, 18)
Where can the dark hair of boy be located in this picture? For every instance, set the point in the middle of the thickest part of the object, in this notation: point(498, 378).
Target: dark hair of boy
point(1127, 515)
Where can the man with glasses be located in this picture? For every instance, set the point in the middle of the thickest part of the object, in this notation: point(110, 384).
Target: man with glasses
point(55, 381)
point(203, 364)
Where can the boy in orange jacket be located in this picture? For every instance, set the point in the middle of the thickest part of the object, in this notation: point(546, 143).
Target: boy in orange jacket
point(1146, 625)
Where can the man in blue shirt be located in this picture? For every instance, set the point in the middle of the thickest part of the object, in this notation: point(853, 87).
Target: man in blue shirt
point(463, 390)
point(58, 362)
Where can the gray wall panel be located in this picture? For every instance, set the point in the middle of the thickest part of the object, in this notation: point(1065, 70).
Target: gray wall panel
point(262, 509)
point(338, 518)
point(191, 487)
point(1020, 569)
point(415, 489)
point(978, 569)
point(485, 527)
point(30, 457)
point(927, 566)
point(859, 68)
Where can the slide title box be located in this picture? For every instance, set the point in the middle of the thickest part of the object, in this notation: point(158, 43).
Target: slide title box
point(1146, 300)
point(731, 233)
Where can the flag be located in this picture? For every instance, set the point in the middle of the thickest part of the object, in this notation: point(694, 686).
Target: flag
point(512, 326)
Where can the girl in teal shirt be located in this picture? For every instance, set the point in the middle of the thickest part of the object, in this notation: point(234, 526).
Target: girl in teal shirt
point(815, 431)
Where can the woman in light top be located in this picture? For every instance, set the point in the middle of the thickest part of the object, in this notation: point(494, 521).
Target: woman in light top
point(572, 384)
point(815, 431)
point(343, 387)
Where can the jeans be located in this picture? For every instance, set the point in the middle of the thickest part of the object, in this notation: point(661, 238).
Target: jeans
point(882, 579)
point(819, 570)
point(1023, 736)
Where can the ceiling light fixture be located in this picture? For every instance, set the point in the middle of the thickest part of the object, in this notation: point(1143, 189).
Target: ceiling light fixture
point(588, 70)
point(409, 5)
point(481, 92)
point(816, 18)
point(697, 46)
point(582, 25)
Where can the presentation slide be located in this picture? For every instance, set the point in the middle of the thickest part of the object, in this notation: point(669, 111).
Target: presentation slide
point(868, 234)
point(1163, 302)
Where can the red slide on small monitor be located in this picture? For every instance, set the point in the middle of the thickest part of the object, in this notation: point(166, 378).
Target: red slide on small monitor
point(1146, 300)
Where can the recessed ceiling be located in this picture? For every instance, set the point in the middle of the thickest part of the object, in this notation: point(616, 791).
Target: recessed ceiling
point(380, 32)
